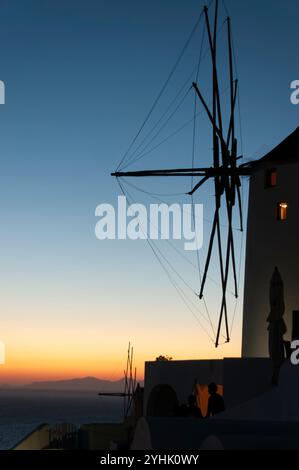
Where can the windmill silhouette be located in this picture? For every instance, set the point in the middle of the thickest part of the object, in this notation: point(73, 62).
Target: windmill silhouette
point(130, 384)
point(225, 170)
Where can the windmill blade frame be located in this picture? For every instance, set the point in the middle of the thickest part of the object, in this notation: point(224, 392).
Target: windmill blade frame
point(225, 172)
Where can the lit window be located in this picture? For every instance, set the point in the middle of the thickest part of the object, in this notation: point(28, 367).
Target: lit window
point(282, 211)
point(271, 178)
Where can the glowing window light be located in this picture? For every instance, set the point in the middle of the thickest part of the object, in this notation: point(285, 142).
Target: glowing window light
point(282, 211)
point(271, 178)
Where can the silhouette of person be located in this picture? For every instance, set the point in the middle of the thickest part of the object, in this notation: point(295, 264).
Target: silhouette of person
point(193, 410)
point(138, 402)
point(182, 411)
point(216, 402)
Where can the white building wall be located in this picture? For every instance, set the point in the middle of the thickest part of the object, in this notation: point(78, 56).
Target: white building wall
point(181, 376)
point(242, 379)
point(270, 243)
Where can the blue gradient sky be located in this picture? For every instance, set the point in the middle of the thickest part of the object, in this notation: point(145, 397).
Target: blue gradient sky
point(80, 77)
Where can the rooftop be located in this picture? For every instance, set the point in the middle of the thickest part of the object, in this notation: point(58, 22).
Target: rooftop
point(285, 152)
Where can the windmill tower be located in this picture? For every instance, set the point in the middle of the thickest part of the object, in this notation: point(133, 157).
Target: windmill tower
point(272, 240)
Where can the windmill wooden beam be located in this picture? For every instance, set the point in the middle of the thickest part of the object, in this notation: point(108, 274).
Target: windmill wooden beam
point(206, 172)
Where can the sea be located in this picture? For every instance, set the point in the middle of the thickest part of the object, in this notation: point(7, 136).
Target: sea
point(23, 410)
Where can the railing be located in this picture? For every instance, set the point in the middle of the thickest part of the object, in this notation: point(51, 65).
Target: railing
point(63, 436)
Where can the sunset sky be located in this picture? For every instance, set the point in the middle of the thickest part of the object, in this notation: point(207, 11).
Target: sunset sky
point(80, 77)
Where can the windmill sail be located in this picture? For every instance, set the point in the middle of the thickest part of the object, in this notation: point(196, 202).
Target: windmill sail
point(225, 171)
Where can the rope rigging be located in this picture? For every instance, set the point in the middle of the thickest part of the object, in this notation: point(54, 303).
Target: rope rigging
point(186, 84)
point(179, 252)
point(182, 294)
point(126, 162)
point(170, 136)
point(225, 172)
point(141, 154)
point(163, 88)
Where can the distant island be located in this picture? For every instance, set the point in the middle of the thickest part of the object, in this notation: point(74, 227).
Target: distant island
point(82, 384)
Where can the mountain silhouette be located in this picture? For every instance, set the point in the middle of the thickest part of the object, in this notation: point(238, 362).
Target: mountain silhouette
point(81, 384)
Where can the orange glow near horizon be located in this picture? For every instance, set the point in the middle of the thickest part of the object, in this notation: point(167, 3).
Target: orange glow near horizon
point(39, 362)
point(69, 344)
point(24, 369)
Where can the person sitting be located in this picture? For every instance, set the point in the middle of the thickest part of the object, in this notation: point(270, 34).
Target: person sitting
point(216, 402)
